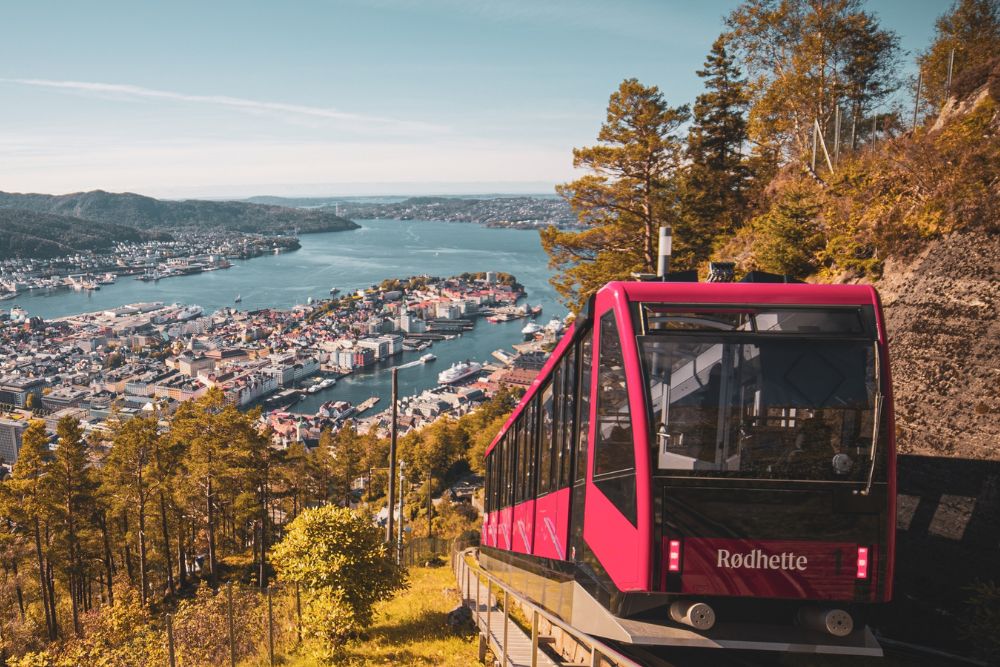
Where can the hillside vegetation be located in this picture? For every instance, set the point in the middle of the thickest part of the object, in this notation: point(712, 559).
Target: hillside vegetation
point(44, 235)
point(147, 213)
point(889, 202)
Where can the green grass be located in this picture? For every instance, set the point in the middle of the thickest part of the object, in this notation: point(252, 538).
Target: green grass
point(410, 629)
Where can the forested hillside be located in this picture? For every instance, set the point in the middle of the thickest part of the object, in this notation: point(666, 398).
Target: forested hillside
point(799, 157)
point(911, 204)
point(147, 213)
point(43, 235)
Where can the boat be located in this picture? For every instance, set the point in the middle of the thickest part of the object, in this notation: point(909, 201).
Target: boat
point(459, 372)
point(555, 326)
point(536, 310)
point(238, 299)
point(531, 328)
point(107, 279)
point(428, 358)
point(190, 312)
point(334, 291)
point(7, 295)
point(321, 385)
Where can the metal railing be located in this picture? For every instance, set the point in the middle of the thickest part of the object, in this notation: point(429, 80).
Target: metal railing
point(471, 573)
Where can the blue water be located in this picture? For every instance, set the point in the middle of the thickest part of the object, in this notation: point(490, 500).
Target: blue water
point(350, 260)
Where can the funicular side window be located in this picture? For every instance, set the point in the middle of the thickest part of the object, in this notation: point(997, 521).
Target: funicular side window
point(545, 446)
point(557, 400)
point(487, 500)
point(530, 457)
point(614, 450)
point(583, 430)
point(511, 448)
point(522, 459)
point(568, 406)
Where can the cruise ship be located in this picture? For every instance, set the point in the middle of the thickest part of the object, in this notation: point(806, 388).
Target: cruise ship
point(459, 371)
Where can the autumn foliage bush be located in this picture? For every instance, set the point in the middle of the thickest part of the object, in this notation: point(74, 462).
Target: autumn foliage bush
point(338, 559)
point(201, 630)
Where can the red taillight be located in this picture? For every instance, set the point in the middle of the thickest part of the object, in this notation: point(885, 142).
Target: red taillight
point(674, 556)
point(862, 563)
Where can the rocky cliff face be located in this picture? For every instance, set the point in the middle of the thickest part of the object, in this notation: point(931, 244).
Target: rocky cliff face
point(942, 317)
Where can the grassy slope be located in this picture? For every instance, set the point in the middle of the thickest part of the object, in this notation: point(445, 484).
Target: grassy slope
point(410, 629)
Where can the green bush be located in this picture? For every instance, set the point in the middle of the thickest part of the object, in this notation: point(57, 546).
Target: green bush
point(338, 559)
point(787, 238)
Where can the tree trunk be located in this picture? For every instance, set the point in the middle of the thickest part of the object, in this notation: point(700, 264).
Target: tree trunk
point(181, 564)
point(17, 589)
point(210, 513)
point(143, 577)
point(43, 589)
point(50, 585)
point(263, 538)
point(166, 542)
point(108, 562)
point(126, 551)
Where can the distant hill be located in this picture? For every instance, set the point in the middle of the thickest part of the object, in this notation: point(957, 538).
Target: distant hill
point(143, 212)
point(501, 211)
point(43, 235)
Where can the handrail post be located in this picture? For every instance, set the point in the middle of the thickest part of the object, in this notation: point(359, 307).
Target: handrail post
point(506, 622)
point(595, 657)
point(534, 638)
point(478, 582)
point(489, 608)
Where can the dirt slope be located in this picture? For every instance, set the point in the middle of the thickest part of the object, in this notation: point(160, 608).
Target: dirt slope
point(942, 316)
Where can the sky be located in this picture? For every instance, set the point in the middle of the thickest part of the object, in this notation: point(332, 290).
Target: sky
point(339, 97)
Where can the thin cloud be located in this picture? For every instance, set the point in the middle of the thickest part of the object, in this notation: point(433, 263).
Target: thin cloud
point(238, 103)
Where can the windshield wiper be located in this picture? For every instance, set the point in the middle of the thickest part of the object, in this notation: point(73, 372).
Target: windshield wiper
point(877, 422)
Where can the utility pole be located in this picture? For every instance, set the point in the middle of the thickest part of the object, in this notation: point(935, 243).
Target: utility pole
point(951, 65)
point(836, 136)
point(392, 460)
point(916, 98)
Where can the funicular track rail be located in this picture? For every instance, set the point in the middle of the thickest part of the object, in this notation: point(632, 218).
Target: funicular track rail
point(490, 601)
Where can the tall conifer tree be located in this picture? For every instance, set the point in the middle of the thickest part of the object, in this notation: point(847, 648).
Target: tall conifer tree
point(717, 181)
point(632, 190)
point(72, 501)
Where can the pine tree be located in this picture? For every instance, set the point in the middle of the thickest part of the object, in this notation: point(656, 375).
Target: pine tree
point(717, 180)
point(345, 463)
point(630, 192)
point(254, 464)
point(30, 505)
point(198, 427)
point(787, 238)
point(72, 498)
point(129, 479)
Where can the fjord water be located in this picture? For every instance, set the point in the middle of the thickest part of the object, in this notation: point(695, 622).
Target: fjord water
point(349, 260)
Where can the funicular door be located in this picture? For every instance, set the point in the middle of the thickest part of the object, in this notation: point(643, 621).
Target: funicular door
point(613, 510)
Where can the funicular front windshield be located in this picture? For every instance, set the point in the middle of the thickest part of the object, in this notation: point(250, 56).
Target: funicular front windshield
point(787, 393)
